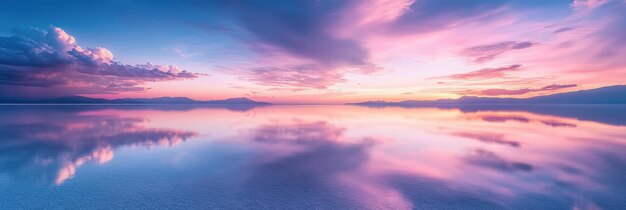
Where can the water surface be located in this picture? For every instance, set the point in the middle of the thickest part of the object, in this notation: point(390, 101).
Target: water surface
point(312, 157)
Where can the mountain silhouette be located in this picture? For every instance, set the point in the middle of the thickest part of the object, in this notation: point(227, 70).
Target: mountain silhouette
point(161, 100)
point(605, 95)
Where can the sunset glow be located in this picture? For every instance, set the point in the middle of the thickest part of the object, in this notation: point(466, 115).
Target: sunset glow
point(311, 51)
point(313, 104)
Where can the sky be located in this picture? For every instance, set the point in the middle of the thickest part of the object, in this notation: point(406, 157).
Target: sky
point(310, 51)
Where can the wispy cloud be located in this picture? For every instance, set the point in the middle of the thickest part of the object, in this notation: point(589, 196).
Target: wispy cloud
point(486, 73)
point(484, 53)
point(311, 76)
point(501, 92)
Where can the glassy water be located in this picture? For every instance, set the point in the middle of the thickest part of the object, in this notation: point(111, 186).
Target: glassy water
point(312, 157)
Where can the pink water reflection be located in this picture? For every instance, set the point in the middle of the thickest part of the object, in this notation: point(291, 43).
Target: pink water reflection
point(505, 154)
point(378, 158)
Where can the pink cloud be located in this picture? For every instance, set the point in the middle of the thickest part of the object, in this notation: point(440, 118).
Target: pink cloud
point(500, 92)
point(484, 53)
point(310, 76)
point(486, 73)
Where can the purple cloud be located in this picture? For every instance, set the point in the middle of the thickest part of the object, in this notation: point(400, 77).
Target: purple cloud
point(431, 15)
point(611, 38)
point(308, 38)
point(562, 30)
point(307, 33)
point(311, 34)
point(486, 73)
point(323, 38)
point(499, 92)
point(484, 53)
point(500, 118)
point(556, 123)
point(302, 76)
point(35, 58)
point(556, 87)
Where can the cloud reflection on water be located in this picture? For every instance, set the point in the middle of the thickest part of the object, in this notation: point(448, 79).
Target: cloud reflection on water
point(327, 172)
point(338, 157)
point(61, 144)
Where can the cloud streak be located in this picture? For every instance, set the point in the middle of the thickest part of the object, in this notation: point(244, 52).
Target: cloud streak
point(310, 76)
point(484, 53)
point(486, 73)
point(501, 92)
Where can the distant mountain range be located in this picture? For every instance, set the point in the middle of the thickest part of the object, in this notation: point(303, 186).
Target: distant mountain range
point(604, 95)
point(161, 100)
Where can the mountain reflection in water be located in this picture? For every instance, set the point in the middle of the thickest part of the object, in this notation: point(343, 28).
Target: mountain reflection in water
point(305, 157)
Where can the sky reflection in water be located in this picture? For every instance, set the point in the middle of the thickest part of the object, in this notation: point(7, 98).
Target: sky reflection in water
point(311, 157)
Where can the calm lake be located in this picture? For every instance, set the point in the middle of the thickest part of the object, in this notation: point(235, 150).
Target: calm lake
point(312, 157)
